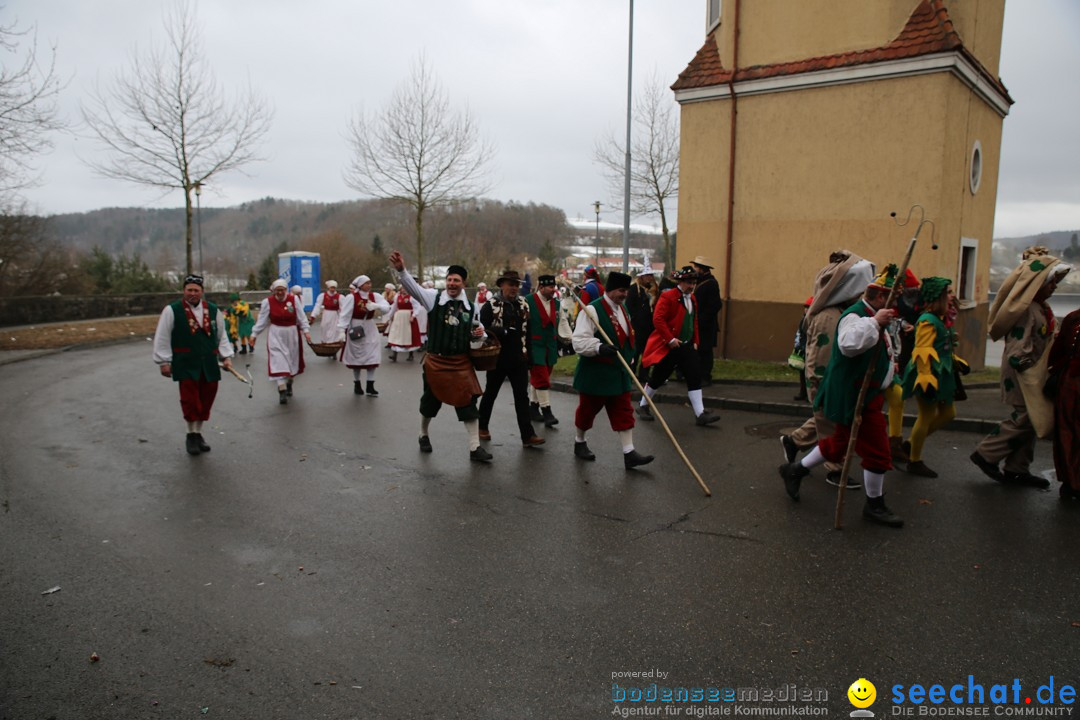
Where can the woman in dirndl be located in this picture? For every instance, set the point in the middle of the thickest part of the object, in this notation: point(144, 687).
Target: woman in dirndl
point(284, 318)
point(363, 342)
point(403, 333)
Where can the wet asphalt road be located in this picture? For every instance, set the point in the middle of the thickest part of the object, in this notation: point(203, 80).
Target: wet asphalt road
point(315, 565)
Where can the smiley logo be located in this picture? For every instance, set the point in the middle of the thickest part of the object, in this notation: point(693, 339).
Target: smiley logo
point(862, 693)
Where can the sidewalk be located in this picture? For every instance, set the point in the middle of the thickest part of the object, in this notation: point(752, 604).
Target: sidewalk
point(980, 413)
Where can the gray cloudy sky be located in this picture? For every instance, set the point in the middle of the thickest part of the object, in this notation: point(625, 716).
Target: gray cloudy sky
point(543, 79)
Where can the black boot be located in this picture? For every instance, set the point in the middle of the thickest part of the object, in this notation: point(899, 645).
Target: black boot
point(282, 396)
point(425, 444)
point(393, 356)
point(633, 459)
point(243, 349)
point(793, 473)
point(876, 511)
point(288, 388)
point(480, 455)
point(549, 419)
point(191, 444)
point(371, 389)
point(203, 447)
point(534, 413)
point(410, 356)
point(581, 450)
point(357, 387)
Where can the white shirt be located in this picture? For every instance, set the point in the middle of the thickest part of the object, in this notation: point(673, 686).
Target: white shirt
point(856, 334)
point(584, 340)
point(163, 334)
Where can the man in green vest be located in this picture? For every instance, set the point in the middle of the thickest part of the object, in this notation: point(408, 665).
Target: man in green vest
point(189, 340)
point(543, 348)
point(860, 329)
point(448, 375)
point(601, 380)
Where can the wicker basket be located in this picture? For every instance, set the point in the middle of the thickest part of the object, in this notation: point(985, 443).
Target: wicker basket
point(486, 356)
point(327, 349)
point(381, 327)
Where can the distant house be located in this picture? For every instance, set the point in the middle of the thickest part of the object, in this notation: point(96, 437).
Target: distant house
point(804, 124)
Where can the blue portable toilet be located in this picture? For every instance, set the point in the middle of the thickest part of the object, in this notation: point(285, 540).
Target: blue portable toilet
point(302, 268)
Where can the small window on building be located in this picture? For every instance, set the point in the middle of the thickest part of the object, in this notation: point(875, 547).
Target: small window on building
point(714, 15)
point(965, 277)
point(975, 177)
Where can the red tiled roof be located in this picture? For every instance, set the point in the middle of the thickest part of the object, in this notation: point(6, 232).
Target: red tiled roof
point(928, 30)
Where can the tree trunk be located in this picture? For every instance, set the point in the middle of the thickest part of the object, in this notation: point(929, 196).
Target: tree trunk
point(187, 223)
point(668, 260)
point(420, 243)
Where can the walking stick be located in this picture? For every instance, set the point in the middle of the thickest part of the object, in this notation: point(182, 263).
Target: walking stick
point(246, 380)
point(596, 321)
point(856, 421)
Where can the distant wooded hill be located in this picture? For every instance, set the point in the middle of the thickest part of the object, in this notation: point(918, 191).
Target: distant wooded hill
point(236, 240)
point(1064, 244)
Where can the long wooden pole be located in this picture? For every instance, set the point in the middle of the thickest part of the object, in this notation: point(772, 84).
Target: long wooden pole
point(856, 422)
point(656, 411)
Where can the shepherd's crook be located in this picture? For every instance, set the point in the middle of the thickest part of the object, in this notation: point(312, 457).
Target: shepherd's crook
point(856, 421)
point(652, 406)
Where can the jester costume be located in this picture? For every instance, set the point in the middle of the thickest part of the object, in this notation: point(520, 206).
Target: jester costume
point(930, 375)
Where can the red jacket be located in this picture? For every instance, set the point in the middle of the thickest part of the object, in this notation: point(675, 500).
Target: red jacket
point(667, 324)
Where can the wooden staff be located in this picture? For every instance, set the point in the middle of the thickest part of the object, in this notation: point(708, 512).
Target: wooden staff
point(856, 422)
point(652, 406)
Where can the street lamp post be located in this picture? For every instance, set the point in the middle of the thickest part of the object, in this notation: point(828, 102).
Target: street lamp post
point(596, 207)
point(198, 222)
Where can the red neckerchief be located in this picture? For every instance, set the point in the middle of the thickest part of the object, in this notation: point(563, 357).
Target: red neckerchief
point(547, 316)
point(620, 334)
point(193, 323)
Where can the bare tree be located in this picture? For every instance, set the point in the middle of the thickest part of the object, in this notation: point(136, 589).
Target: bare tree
point(654, 162)
point(417, 150)
point(28, 110)
point(165, 123)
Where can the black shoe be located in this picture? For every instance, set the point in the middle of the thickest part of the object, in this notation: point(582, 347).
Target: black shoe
point(191, 444)
point(549, 419)
point(251, 349)
point(243, 351)
point(288, 388)
point(371, 389)
point(918, 467)
point(633, 459)
point(1026, 480)
point(581, 450)
point(480, 455)
point(1066, 493)
point(706, 418)
point(425, 443)
point(393, 356)
point(793, 473)
point(990, 469)
point(833, 478)
point(644, 413)
point(410, 357)
point(282, 397)
point(534, 413)
point(790, 449)
point(875, 510)
point(357, 387)
point(203, 447)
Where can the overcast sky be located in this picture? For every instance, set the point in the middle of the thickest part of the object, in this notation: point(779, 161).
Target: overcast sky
point(544, 80)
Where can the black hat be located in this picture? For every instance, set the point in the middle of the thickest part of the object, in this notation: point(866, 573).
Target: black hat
point(508, 275)
point(194, 280)
point(546, 281)
point(617, 281)
point(687, 273)
point(457, 270)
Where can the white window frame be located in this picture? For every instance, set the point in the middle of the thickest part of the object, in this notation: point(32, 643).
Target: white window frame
point(712, 20)
point(976, 163)
point(967, 300)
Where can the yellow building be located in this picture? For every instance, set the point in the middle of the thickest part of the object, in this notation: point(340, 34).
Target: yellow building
point(806, 122)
